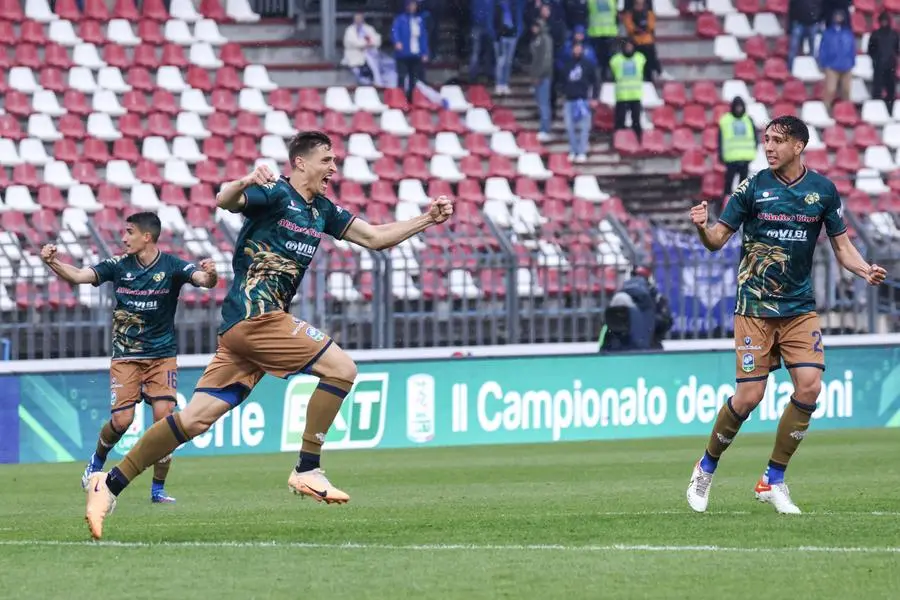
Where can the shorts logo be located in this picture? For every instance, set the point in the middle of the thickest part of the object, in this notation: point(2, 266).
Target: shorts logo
point(748, 364)
point(315, 334)
point(159, 277)
point(747, 340)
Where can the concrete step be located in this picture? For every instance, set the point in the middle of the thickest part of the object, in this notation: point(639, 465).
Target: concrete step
point(667, 50)
point(282, 55)
point(258, 32)
point(686, 27)
point(293, 78)
point(687, 72)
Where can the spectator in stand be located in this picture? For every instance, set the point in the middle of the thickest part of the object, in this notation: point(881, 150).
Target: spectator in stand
point(628, 72)
point(578, 37)
point(361, 44)
point(576, 13)
point(884, 46)
point(581, 90)
point(483, 37)
point(804, 17)
point(837, 55)
point(411, 48)
point(829, 7)
point(602, 32)
point(737, 145)
point(542, 74)
point(640, 23)
point(505, 47)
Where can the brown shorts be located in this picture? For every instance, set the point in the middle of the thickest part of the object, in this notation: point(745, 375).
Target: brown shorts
point(148, 379)
point(762, 343)
point(276, 343)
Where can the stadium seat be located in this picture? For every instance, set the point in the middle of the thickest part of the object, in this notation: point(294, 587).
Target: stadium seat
point(732, 89)
point(758, 113)
point(155, 149)
point(45, 102)
point(875, 113)
point(757, 48)
point(169, 78)
point(504, 144)
point(727, 48)
point(705, 93)
point(256, 76)
point(674, 94)
point(863, 68)
point(18, 198)
point(844, 113)
point(41, 126)
point(708, 25)
point(277, 122)
point(587, 188)
point(177, 171)
point(107, 102)
point(184, 10)
point(9, 156)
point(82, 196)
point(17, 103)
point(240, 11)
point(738, 25)
point(776, 69)
point(764, 91)
point(500, 166)
point(815, 113)
point(119, 32)
point(560, 164)
point(361, 144)
point(448, 143)
point(530, 165)
point(479, 120)
point(253, 101)
point(847, 159)
point(57, 174)
point(879, 158)
point(273, 146)
point(393, 121)
point(32, 151)
point(22, 79)
point(890, 135)
point(173, 55)
point(357, 169)
point(806, 69)
point(794, 91)
point(203, 55)
point(206, 30)
point(720, 8)
point(338, 99)
point(767, 25)
point(366, 98)
point(176, 31)
point(869, 181)
point(50, 199)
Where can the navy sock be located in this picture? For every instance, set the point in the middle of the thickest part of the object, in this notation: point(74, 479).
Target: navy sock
point(709, 463)
point(115, 481)
point(157, 487)
point(775, 473)
point(308, 461)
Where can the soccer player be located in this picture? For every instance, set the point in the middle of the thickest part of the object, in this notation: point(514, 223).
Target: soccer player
point(285, 219)
point(782, 210)
point(147, 283)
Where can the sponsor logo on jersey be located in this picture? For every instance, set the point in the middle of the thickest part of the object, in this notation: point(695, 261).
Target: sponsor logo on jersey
point(300, 248)
point(788, 235)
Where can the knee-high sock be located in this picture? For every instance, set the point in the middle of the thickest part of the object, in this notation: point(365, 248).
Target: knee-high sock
point(159, 441)
point(109, 437)
point(324, 405)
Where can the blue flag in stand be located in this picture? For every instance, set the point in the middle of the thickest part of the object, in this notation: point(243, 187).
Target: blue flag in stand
point(700, 285)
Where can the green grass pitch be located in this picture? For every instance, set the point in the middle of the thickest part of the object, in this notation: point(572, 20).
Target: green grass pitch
point(582, 520)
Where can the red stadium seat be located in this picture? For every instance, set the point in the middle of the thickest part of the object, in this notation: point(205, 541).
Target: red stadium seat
point(96, 10)
point(31, 32)
point(709, 139)
point(776, 69)
point(86, 173)
point(91, 33)
point(391, 145)
point(746, 70)
point(748, 7)
point(674, 94)
point(26, 175)
point(845, 113)
point(249, 124)
point(50, 198)
point(115, 56)
point(560, 164)
point(148, 172)
point(227, 78)
point(306, 120)
point(835, 137)
point(214, 147)
point(414, 167)
point(245, 148)
point(785, 108)
point(66, 9)
point(694, 116)
point(794, 91)
point(173, 54)
point(705, 93)
point(11, 10)
point(471, 166)
point(664, 118)
point(164, 102)
point(212, 9)
point(364, 122)
point(386, 168)
point(136, 102)
point(208, 170)
point(53, 80)
point(126, 149)
point(382, 192)
point(708, 26)
point(653, 142)
point(336, 124)
point(173, 195)
point(693, 163)
point(450, 121)
point(421, 121)
point(864, 135)
point(199, 79)
point(232, 55)
point(764, 91)
point(469, 190)
point(27, 56)
point(224, 102)
point(847, 159)
point(139, 79)
point(527, 188)
point(17, 104)
point(477, 95)
point(70, 126)
point(396, 98)
point(145, 56)
point(310, 99)
point(756, 47)
point(155, 10)
point(96, 151)
point(858, 23)
point(500, 166)
point(418, 144)
point(46, 223)
point(282, 99)
point(505, 119)
point(66, 150)
point(860, 202)
point(125, 9)
point(477, 145)
point(110, 196)
point(161, 124)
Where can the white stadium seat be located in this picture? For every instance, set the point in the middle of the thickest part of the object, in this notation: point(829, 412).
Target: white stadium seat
point(357, 169)
point(177, 171)
point(87, 55)
point(46, 102)
point(253, 101)
point(63, 33)
point(178, 32)
point(366, 98)
point(206, 30)
point(444, 167)
point(155, 149)
point(119, 174)
point(39, 10)
point(105, 101)
point(169, 78)
point(186, 148)
point(81, 79)
point(447, 142)
point(361, 144)
point(56, 173)
point(184, 10)
point(120, 32)
point(41, 126)
point(736, 24)
point(504, 143)
point(278, 123)
point(22, 79)
point(190, 124)
point(256, 76)
point(194, 101)
point(110, 78)
point(203, 55)
point(532, 166)
point(33, 152)
point(9, 156)
point(411, 190)
point(338, 99)
point(240, 11)
point(18, 197)
point(728, 49)
point(393, 121)
point(82, 196)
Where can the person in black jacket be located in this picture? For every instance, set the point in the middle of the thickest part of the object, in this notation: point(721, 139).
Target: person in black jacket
point(884, 46)
point(579, 83)
point(804, 17)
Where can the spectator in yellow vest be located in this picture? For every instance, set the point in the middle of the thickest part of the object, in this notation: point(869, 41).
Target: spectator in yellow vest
point(602, 31)
point(640, 23)
point(737, 144)
point(628, 72)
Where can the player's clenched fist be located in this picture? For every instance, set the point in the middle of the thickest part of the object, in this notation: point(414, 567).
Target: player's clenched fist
point(441, 209)
point(208, 265)
point(261, 175)
point(699, 214)
point(48, 253)
point(875, 275)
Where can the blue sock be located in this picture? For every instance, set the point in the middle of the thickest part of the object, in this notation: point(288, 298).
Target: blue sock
point(97, 462)
point(708, 463)
point(774, 473)
point(157, 488)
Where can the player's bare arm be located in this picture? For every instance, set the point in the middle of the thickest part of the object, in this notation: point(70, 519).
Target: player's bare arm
point(66, 272)
point(380, 237)
point(713, 237)
point(231, 196)
point(206, 277)
point(850, 258)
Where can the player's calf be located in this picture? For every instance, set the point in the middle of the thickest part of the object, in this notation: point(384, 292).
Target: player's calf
point(110, 434)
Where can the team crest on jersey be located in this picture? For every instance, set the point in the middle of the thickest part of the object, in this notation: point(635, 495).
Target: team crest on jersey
point(159, 277)
point(811, 198)
point(315, 212)
point(268, 185)
point(748, 363)
point(315, 334)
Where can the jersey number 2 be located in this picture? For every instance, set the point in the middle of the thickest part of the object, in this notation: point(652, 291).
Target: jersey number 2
point(817, 344)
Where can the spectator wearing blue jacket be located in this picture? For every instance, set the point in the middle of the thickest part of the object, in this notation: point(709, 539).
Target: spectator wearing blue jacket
point(482, 60)
point(837, 55)
point(410, 47)
point(578, 37)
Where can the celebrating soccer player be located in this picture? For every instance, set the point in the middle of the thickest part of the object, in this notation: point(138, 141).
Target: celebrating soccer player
point(285, 218)
point(781, 210)
point(147, 283)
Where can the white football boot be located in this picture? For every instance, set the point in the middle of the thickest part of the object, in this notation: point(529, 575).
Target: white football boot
point(778, 495)
point(698, 489)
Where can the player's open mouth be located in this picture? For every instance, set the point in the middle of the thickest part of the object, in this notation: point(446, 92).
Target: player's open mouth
point(325, 181)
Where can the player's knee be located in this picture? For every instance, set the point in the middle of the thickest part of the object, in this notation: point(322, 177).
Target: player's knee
point(122, 420)
point(748, 396)
point(338, 366)
point(807, 392)
point(196, 424)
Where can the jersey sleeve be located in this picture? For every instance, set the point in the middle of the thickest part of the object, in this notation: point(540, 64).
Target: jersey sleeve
point(182, 271)
point(259, 198)
point(739, 204)
point(337, 221)
point(105, 270)
point(834, 215)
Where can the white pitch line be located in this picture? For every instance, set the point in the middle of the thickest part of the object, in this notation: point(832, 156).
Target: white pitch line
point(457, 547)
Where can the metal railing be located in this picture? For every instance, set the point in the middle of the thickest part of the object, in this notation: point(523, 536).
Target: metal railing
point(471, 285)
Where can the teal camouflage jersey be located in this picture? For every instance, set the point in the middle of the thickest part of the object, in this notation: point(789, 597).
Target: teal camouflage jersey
point(277, 243)
point(781, 225)
point(146, 299)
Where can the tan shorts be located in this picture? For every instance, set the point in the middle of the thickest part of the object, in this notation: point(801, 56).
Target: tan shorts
point(276, 343)
point(148, 379)
point(762, 343)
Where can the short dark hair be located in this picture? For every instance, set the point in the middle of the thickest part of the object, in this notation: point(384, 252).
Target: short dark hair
point(305, 142)
point(790, 126)
point(146, 222)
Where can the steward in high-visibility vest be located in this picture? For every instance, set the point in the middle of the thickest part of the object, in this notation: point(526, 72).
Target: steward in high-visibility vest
point(628, 73)
point(602, 16)
point(737, 144)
